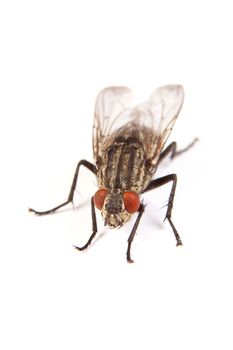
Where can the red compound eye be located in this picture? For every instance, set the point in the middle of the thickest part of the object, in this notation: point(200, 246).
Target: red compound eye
point(99, 198)
point(131, 201)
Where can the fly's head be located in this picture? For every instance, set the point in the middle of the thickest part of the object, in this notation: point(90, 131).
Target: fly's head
point(116, 205)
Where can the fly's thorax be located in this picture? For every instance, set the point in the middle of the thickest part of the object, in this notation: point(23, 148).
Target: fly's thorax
point(116, 205)
point(123, 166)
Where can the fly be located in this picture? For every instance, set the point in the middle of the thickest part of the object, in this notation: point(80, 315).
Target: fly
point(128, 145)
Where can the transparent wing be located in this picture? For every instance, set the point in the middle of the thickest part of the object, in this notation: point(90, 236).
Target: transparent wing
point(110, 103)
point(164, 105)
point(150, 122)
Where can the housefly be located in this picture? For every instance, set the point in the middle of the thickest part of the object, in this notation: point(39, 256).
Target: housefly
point(128, 145)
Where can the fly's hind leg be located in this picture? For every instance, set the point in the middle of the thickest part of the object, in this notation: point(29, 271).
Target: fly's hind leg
point(160, 182)
point(83, 162)
point(173, 152)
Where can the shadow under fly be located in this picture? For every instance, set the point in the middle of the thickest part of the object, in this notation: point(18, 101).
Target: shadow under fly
point(128, 145)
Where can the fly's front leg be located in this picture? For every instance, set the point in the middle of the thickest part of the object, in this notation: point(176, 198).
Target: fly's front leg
point(160, 182)
point(172, 150)
point(83, 162)
point(94, 227)
point(133, 232)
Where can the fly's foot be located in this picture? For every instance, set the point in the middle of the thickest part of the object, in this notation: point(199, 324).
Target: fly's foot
point(50, 211)
point(81, 248)
point(37, 212)
point(179, 243)
point(129, 260)
point(88, 242)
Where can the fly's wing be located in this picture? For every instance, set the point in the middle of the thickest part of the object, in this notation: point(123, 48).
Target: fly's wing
point(110, 103)
point(150, 122)
point(164, 106)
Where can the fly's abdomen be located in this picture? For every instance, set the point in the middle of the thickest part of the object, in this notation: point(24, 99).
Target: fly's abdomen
point(123, 166)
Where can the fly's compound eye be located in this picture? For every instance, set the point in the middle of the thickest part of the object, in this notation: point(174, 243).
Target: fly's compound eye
point(99, 198)
point(131, 202)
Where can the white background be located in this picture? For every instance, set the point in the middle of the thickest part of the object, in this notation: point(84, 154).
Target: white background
point(55, 57)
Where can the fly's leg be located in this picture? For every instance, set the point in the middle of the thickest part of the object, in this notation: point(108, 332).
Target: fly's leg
point(133, 232)
point(94, 227)
point(83, 162)
point(160, 182)
point(172, 149)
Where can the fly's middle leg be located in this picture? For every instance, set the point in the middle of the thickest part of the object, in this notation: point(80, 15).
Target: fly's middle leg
point(160, 182)
point(172, 149)
point(83, 162)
